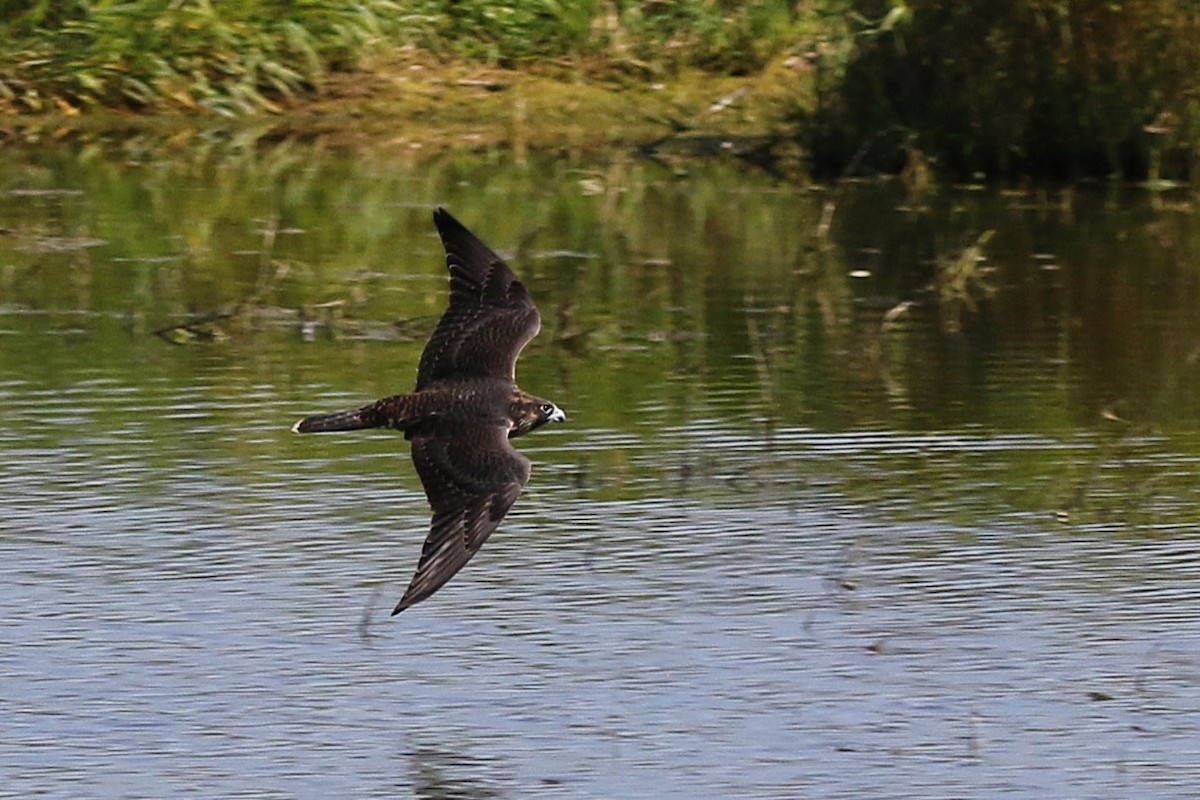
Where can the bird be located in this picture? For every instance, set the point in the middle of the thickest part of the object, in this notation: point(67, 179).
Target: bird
point(464, 410)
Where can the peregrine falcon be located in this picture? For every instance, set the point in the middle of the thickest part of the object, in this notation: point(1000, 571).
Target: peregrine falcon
point(464, 410)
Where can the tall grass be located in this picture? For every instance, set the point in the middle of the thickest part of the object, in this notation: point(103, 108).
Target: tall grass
point(236, 57)
point(229, 56)
point(658, 35)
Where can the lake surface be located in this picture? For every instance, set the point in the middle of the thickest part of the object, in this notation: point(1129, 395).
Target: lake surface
point(855, 499)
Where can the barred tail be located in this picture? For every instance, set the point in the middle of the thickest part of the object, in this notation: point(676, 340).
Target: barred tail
point(365, 417)
point(398, 412)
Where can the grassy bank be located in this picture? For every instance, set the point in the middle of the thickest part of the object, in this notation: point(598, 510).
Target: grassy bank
point(236, 57)
point(972, 90)
point(418, 75)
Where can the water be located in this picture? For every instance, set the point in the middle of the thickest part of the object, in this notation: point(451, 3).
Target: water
point(780, 549)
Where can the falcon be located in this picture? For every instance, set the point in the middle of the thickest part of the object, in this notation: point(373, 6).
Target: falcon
point(464, 410)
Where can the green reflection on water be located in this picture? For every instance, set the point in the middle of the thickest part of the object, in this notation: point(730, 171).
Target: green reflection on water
point(683, 305)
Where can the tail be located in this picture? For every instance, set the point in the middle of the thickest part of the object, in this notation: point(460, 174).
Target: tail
point(357, 419)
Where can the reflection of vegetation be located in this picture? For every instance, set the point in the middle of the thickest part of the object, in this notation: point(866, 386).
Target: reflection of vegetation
point(684, 283)
point(243, 315)
point(707, 342)
point(1120, 479)
point(960, 280)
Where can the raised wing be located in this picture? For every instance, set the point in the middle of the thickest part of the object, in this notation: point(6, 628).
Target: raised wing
point(490, 318)
point(471, 479)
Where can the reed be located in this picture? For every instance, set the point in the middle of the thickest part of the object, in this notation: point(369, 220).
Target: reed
point(235, 57)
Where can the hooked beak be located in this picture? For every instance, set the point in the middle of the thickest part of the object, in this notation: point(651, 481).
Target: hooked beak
point(557, 415)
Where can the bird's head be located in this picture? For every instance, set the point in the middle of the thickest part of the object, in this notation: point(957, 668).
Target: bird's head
point(531, 413)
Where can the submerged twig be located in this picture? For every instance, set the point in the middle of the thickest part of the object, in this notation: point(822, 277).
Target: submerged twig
point(204, 327)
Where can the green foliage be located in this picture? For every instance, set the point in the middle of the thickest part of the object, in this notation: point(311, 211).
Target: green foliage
point(727, 36)
point(236, 57)
point(231, 57)
point(22, 17)
point(503, 32)
point(1046, 86)
point(648, 34)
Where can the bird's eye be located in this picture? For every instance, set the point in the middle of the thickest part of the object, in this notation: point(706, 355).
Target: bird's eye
point(547, 409)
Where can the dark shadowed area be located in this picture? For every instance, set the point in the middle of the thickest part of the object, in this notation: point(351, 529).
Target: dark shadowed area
point(861, 493)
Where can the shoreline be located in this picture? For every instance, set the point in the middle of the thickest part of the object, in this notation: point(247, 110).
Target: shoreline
point(425, 108)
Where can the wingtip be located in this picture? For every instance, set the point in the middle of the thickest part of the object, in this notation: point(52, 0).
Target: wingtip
point(296, 427)
point(406, 600)
point(446, 222)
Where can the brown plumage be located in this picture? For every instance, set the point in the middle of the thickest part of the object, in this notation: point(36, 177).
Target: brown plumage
point(464, 409)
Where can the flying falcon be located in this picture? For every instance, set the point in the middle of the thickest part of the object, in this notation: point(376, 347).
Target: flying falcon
point(465, 408)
